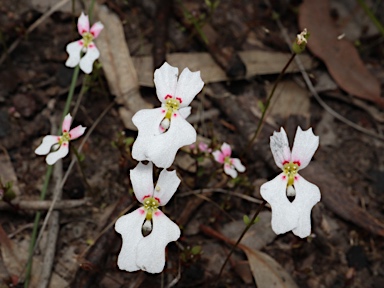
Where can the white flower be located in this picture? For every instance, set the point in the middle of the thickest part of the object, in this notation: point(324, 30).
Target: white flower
point(84, 45)
point(162, 131)
point(147, 252)
point(230, 164)
point(59, 144)
point(295, 215)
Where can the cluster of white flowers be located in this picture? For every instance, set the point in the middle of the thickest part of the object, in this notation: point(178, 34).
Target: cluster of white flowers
point(161, 133)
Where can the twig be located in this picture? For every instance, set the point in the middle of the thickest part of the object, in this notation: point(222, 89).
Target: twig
point(43, 204)
point(31, 28)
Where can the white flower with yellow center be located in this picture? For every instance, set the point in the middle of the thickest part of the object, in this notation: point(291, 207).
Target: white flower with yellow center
point(84, 46)
point(162, 131)
point(141, 250)
point(295, 215)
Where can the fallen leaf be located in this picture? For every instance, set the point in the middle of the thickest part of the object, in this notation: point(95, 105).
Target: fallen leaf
point(118, 66)
point(340, 56)
point(257, 63)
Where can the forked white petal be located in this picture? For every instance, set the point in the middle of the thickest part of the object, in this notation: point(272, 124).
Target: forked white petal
point(60, 153)
point(129, 226)
point(150, 251)
point(66, 123)
point(307, 195)
point(237, 163)
point(280, 148)
point(230, 170)
point(185, 112)
point(165, 81)
point(46, 145)
point(83, 24)
point(86, 63)
point(74, 50)
point(166, 186)
point(284, 213)
point(304, 146)
point(188, 86)
point(142, 181)
point(77, 132)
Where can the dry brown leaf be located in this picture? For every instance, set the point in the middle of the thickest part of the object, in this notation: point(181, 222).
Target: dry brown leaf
point(118, 67)
point(266, 271)
point(340, 56)
point(257, 62)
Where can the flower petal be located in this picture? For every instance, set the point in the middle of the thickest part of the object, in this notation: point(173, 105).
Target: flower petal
point(77, 132)
point(86, 63)
point(129, 226)
point(284, 213)
point(96, 29)
point(188, 86)
point(165, 81)
point(166, 186)
point(46, 145)
point(237, 163)
point(150, 251)
point(74, 50)
point(304, 147)
point(83, 24)
point(60, 153)
point(185, 112)
point(307, 195)
point(280, 147)
point(142, 181)
point(66, 123)
point(226, 149)
point(230, 170)
point(219, 156)
point(160, 148)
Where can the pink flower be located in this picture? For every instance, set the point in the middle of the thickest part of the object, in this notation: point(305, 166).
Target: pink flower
point(59, 144)
point(84, 45)
point(230, 164)
point(204, 147)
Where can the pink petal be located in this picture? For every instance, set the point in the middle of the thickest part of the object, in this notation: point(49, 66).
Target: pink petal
point(218, 156)
point(53, 157)
point(304, 147)
point(96, 29)
point(86, 63)
point(83, 24)
point(66, 123)
point(226, 149)
point(229, 170)
point(74, 50)
point(150, 252)
point(46, 145)
point(203, 147)
point(77, 132)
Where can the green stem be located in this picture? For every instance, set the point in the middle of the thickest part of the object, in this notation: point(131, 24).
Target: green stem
point(371, 16)
point(241, 236)
point(71, 91)
point(260, 124)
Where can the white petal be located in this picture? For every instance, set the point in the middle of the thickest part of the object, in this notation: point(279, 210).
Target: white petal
point(46, 145)
point(307, 195)
point(188, 86)
point(280, 148)
point(150, 255)
point(129, 226)
point(237, 163)
point(66, 123)
point(142, 181)
point(165, 81)
point(284, 213)
point(60, 153)
point(83, 24)
point(86, 63)
point(230, 170)
point(160, 148)
point(166, 186)
point(185, 112)
point(304, 147)
point(74, 50)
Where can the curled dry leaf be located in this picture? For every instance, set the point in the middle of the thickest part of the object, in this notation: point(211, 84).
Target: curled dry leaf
point(340, 56)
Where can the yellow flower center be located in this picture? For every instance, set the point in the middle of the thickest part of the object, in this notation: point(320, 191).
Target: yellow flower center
point(171, 105)
point(65, 138)
point(87, 39)
point(150, 205)
point(290, 170)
